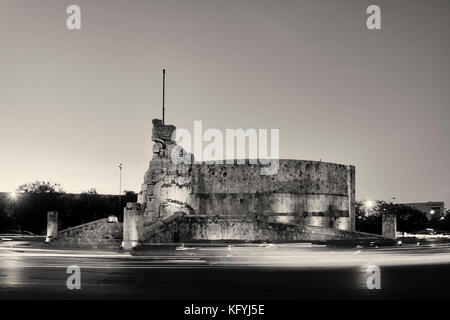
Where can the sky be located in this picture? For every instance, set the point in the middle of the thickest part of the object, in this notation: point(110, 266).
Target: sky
point(76, 103)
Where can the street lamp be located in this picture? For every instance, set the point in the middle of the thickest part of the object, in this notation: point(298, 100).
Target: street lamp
point(120, 186)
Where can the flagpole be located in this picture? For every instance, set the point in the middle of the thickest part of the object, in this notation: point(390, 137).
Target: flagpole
point(164, 95)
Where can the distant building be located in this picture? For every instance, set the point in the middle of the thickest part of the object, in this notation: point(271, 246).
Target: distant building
point(431, 209)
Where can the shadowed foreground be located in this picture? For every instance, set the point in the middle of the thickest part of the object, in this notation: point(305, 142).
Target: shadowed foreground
point(290, 271)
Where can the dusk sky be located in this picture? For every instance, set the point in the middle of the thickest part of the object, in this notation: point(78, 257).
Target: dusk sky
point(76, 103)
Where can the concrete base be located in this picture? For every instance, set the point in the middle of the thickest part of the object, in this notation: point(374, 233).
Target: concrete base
point(185, 228)
point(52, 226)
point(389, 222)
point(133, 224)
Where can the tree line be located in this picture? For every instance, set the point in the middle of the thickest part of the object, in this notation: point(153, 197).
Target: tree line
point(409, 219)
point(26, 209)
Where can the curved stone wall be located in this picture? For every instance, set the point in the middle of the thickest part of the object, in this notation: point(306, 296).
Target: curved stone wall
point(294, 176)
point(306, 192)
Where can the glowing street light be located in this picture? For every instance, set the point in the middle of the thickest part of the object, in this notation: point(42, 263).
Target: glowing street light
point(432, 212)
point(13, 195)
point(370, 204)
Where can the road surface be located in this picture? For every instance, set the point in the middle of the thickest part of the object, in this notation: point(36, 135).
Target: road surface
point(30, 270)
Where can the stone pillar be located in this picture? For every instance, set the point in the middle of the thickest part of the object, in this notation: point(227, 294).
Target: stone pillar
point(351, 195)
point(389, 225)
point(52, 226)
point(133, 225)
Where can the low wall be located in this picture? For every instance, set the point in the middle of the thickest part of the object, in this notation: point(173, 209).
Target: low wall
point(185, 228)
point(91, 233)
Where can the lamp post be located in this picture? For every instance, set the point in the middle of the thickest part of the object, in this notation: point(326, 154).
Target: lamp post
point(120, 186)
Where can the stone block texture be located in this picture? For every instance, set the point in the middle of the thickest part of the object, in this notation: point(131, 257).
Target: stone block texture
point(302, 194)
point(92, 233)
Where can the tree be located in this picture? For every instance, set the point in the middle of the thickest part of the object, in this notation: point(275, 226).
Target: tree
point(39, 197)
point(6, 220)
point(366, 223)
point(41, 187)
point(36, 199)
point(91, 191)
point(408, 219)
point(130, 195)
point(443, 224)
